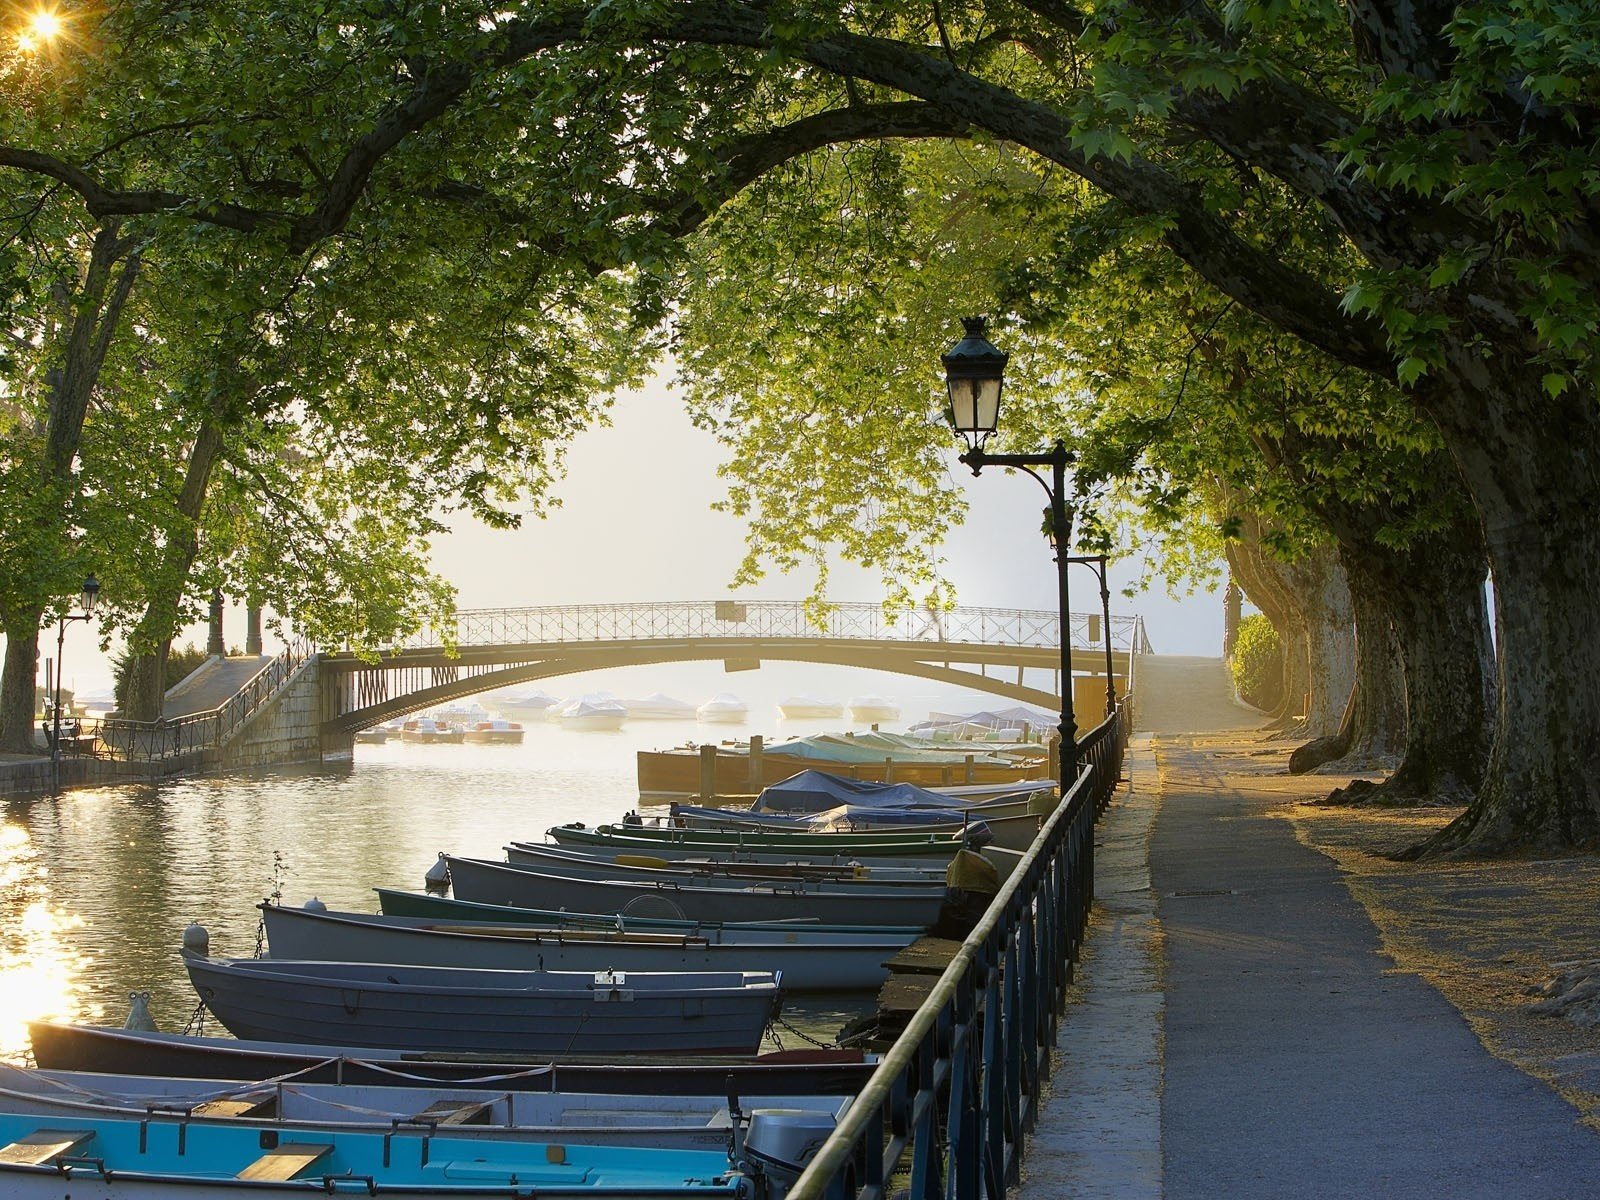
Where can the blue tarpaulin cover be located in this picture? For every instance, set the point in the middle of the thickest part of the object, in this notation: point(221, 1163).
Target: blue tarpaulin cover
point(815, 791)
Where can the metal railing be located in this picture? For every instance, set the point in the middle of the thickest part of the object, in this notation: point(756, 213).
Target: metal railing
point(183, 741)
point(951, 1100)
point(764, 619)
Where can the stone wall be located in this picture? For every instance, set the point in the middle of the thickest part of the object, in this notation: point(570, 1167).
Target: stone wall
point(288, 729)
point(31, 776)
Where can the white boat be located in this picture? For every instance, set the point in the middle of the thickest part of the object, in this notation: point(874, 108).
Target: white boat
point(865, 710)
point(724, 708)
point(375, 736)
point(593, 710)
point(796, 708)
point(658, 706)
point(535, 703)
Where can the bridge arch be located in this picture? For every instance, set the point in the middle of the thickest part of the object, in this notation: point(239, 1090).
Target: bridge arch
point(494, 648)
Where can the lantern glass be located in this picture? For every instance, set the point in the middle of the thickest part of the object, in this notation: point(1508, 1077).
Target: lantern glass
point(91, 593)
point(974, 375)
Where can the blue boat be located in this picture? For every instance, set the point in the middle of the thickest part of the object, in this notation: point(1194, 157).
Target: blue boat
point(132, 1159)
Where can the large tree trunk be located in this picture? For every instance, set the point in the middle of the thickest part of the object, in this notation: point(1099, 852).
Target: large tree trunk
point(1324, 597)
point(152, 637)
point(1442, 622)
point(92, 314)
point(1532, 465)
point(1373, 730)
point(18, 678)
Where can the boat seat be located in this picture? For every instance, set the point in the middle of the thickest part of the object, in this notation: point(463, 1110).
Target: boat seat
point(43, 1146)
point(285, 1161)
point(455, 1112)
point(238, 1106)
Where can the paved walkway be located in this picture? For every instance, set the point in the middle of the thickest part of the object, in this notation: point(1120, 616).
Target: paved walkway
point(1243, 1035)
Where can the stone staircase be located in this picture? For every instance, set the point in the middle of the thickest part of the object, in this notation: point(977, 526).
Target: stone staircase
point(1176, 693)
point(212, 684)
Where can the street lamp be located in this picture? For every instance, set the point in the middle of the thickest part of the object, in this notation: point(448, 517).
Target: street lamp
point(1097, 564)
point(91, 593)
point(974, 375)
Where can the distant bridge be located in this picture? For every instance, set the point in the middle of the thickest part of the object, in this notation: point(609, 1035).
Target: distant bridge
point(491, 648)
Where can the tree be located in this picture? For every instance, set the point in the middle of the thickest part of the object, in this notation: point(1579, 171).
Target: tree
point(1443, 148)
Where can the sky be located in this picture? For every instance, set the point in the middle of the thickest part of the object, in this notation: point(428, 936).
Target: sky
point(636, 523)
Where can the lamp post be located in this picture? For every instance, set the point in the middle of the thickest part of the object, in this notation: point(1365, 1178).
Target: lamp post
point(91, 593)
point(974, 376)
point(1097, 563)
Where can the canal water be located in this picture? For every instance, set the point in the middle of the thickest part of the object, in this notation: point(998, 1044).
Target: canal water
point(97, 886)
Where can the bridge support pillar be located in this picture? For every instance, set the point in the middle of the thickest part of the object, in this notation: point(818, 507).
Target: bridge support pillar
point(252, 629)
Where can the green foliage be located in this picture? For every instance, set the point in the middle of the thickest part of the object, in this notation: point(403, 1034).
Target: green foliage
point(1257, 663)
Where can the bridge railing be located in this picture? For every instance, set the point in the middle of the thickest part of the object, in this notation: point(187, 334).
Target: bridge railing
point(953, 1097)
point(768, 619)
point(178, 742)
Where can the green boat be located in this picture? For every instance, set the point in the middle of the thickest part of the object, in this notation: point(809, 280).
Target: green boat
point(637, 839)
point(394, 903)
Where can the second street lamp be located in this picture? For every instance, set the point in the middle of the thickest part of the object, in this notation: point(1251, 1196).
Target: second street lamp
point(974, 377)
point(91, 593)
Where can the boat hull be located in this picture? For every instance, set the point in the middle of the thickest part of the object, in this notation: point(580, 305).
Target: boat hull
point(121, 1158)
point(499, 883)
point(806, 965)
point(68, 1047)
point(668, 1121)
point(484, 1012)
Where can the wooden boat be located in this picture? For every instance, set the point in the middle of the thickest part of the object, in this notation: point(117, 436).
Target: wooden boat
point(442, 908)
point(494, 732)
point(710, 869)
point(500, 883)
point(290, 1106)
point(615, 841)
point(125, 1158)
point(807, 962)
point(486, 1011)
point(64, 1046)
point(870, 844)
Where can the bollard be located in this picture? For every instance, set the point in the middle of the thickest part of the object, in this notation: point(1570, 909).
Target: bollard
point(756, 744)
point(888, 770)
point(970, 771)
point(708, 773)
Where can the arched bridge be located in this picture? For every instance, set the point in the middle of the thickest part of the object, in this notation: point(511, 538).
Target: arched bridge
point(491, 648)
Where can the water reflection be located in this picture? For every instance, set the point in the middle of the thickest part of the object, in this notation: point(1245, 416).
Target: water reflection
point(99, 885)
point(41, 965)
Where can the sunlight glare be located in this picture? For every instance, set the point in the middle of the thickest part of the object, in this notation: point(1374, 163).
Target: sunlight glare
point(43, 27)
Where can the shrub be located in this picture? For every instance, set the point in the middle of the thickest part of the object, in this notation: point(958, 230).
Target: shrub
point(1257, 663)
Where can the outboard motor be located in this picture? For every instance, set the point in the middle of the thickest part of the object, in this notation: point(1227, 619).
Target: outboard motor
point(779, 1142)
